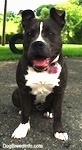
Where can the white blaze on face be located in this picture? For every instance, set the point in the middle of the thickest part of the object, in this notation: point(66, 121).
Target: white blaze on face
point(40, 38)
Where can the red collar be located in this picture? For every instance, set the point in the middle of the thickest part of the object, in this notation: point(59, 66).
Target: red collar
point(53, 68)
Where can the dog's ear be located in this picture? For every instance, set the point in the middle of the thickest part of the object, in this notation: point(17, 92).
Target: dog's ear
point(58, 16)
point(27, 15)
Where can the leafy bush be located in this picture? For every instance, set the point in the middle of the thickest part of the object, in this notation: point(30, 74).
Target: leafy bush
point(72, 32)
point(73, 24)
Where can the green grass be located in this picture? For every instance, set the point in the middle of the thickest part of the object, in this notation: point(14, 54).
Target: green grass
point(6, 54)
point(70, 50)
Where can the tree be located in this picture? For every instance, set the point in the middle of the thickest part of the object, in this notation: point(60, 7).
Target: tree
point(78, 2)
point(78, 33)
point(74, 1)
point(43, 11)
point(10, 15)
point(73, 23)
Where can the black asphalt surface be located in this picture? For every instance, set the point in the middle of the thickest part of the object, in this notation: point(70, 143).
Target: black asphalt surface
point(41, 133)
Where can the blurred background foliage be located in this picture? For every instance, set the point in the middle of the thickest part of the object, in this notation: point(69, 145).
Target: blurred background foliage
point(72, 32)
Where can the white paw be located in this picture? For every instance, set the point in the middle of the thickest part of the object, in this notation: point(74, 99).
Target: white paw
point(48, 115)
point(20, 112)
point(21, 130)
point(61, 136)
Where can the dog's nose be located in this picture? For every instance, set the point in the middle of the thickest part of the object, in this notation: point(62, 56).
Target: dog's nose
point(38, 45)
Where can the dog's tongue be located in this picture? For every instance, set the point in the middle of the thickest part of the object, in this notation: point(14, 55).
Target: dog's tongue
point(41, 62)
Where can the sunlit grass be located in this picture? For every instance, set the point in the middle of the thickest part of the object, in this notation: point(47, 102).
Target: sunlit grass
point(69, 50)
point(6, 54)
point(72, 50)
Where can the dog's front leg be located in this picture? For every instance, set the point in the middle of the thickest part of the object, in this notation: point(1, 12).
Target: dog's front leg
point(58, 128)
point(23, 128)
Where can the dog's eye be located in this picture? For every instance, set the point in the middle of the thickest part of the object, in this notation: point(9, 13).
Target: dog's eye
point(51, 33)
point(30, 33)
point(48, 34)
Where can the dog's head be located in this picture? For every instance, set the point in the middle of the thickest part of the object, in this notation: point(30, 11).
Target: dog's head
point(42, 38)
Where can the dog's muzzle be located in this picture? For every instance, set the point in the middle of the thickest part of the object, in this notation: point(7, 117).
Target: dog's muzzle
point(40, 56)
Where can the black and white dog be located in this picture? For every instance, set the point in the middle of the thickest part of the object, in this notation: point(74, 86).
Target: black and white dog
point(41, 73)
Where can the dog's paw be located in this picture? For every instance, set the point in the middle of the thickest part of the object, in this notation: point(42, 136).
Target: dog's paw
point(61, 136)
point(48, 115)
point(21, 131)
point(20, 112)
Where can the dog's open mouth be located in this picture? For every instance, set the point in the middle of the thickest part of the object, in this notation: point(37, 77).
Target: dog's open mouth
point(41, 64)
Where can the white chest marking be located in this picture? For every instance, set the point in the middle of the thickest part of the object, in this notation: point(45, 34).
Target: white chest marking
point(40, 38)
point(42, 83)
